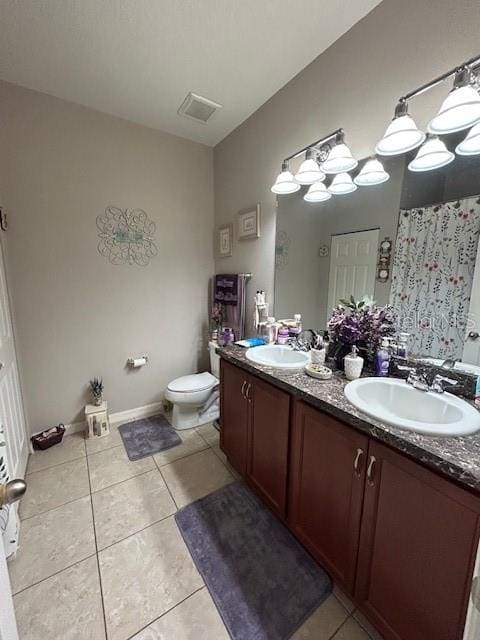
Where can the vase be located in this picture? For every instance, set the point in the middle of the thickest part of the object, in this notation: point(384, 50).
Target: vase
point(97, 400)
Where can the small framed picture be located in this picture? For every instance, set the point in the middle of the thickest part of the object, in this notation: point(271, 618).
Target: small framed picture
point(225, 241)
point(249, 223)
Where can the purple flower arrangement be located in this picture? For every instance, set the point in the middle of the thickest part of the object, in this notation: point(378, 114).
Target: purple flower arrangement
point(361, 323)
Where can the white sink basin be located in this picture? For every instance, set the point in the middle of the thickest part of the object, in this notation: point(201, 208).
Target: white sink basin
point(398, 404)
point(278, 356)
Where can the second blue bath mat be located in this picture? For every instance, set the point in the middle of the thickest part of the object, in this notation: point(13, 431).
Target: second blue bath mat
point(148, 436)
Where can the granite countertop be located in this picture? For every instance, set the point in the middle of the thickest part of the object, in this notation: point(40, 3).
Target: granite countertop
point(455, 457)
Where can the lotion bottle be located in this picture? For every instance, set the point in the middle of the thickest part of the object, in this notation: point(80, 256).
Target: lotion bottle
point(382, 359)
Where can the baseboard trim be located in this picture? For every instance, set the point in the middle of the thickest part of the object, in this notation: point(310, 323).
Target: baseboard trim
point(119, 417)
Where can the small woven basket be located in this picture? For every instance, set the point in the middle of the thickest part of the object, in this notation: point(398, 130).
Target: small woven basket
point(41, 441)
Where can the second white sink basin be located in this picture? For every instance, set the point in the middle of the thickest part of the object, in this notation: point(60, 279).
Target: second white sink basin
point(278, 356)
point(398, 404)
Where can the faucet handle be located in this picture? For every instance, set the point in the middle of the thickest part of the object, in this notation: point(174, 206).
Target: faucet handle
point(439, 382)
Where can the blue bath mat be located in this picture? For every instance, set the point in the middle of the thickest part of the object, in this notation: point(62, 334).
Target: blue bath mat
point(263, 582)
point(145, 437)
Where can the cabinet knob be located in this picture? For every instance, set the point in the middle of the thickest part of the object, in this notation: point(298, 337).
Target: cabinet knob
point(356, 463)
point(247, 392)
point(243, 388)
point(371, 466)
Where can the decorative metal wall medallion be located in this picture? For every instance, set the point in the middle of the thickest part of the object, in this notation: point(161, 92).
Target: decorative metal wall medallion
point(126, 236)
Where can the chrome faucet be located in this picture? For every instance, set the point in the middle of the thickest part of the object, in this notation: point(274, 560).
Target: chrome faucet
point(449, 363)
point(420, 380)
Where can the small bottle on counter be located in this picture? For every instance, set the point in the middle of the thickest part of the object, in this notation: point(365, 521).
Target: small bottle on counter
point(271, 330)
point(283, 335)
point(353, 364)
point(402, 350)
point(382, 359)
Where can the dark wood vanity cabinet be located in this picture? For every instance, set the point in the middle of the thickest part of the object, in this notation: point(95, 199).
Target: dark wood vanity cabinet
point(417, 547)
point(234, 417)
point(327, 473)
point(399, 538)
point(255, 419)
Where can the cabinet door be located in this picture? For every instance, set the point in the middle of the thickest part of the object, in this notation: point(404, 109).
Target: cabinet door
point(234, 415)
point(419, 534)
point(327, 481)
point(268, 443)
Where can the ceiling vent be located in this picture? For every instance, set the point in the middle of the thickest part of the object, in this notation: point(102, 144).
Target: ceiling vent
point(198, 108)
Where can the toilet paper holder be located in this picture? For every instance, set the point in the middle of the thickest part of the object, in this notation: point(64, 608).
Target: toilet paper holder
point(137, 362)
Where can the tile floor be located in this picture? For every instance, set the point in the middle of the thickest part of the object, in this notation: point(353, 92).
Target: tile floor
point(101, 556)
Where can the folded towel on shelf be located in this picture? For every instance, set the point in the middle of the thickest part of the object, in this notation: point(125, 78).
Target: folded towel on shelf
point(226, 288)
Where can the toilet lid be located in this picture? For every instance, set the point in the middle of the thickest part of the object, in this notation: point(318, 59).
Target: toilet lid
point(195, 382)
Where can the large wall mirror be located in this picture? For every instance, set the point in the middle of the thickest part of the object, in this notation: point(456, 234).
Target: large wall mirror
point(330, 251)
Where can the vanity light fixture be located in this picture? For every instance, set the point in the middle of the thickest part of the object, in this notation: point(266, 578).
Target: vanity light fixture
point(461, 108)
point(340, 158)
point(285, 182)
point(471, 145)
point(431, 155)
point(372, 173)
point(309, 171)
point(342, 184)
point(401, 135)
point(317, 193)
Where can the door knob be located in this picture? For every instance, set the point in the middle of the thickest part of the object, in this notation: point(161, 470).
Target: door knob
point(473, 335)
point(12, 491)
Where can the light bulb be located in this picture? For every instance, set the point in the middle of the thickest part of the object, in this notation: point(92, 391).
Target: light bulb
point(401, 135)
point(285, 182)
point(342, 184)
point(460, 109)
point(317, 193)
point(372, 173)
point(470, 146)
point(340, 158)
point(432, 155)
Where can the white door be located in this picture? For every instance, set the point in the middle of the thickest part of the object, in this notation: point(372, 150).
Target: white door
point(13, 452)
point(353, 265)
point(471, 347)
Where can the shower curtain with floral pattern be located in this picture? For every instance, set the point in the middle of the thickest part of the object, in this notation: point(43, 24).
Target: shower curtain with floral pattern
point(432, 275)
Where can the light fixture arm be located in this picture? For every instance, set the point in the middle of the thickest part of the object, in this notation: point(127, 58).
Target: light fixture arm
point(337, 134)
point(465, 69)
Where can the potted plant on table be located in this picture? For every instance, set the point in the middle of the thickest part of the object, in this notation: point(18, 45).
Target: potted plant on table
point(361, 323)
point(96, 387)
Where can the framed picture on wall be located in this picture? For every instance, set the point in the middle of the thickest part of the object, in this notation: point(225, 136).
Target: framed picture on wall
point(225, 240)
point(248, 223)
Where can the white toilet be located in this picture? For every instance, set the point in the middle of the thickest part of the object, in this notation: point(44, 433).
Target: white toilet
point(196, 398)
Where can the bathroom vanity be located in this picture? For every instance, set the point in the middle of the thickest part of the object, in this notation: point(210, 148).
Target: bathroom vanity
point(393, 516)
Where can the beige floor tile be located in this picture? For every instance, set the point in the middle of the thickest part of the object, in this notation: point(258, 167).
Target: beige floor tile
point(112, 465)
point(144, 576)
point(196, 618)
point(219, 453)
point(362, 620)
point(344, 599)
point(322, 624)
point(209, 434)
point(351, 630)
point(51, 542)
point(193, 477)
point(55, 486)
point(191, 443)
point(71, 448)
point(130, 506)
point(67, 606)
point(114, 439)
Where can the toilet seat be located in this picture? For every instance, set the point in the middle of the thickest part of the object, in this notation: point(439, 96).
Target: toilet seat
point(193, 383)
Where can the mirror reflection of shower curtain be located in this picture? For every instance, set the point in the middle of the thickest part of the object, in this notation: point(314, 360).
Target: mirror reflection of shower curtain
point(432, 275)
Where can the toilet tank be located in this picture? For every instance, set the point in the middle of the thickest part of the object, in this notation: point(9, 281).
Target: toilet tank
point(214, 359)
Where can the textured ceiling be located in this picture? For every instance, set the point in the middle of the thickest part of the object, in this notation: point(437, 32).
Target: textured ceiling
point(139, 58)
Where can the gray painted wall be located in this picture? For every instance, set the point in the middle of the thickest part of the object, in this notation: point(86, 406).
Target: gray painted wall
point(354, 84)
point(77, 315)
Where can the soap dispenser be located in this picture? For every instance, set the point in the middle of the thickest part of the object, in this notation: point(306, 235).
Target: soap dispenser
point(353, 364)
